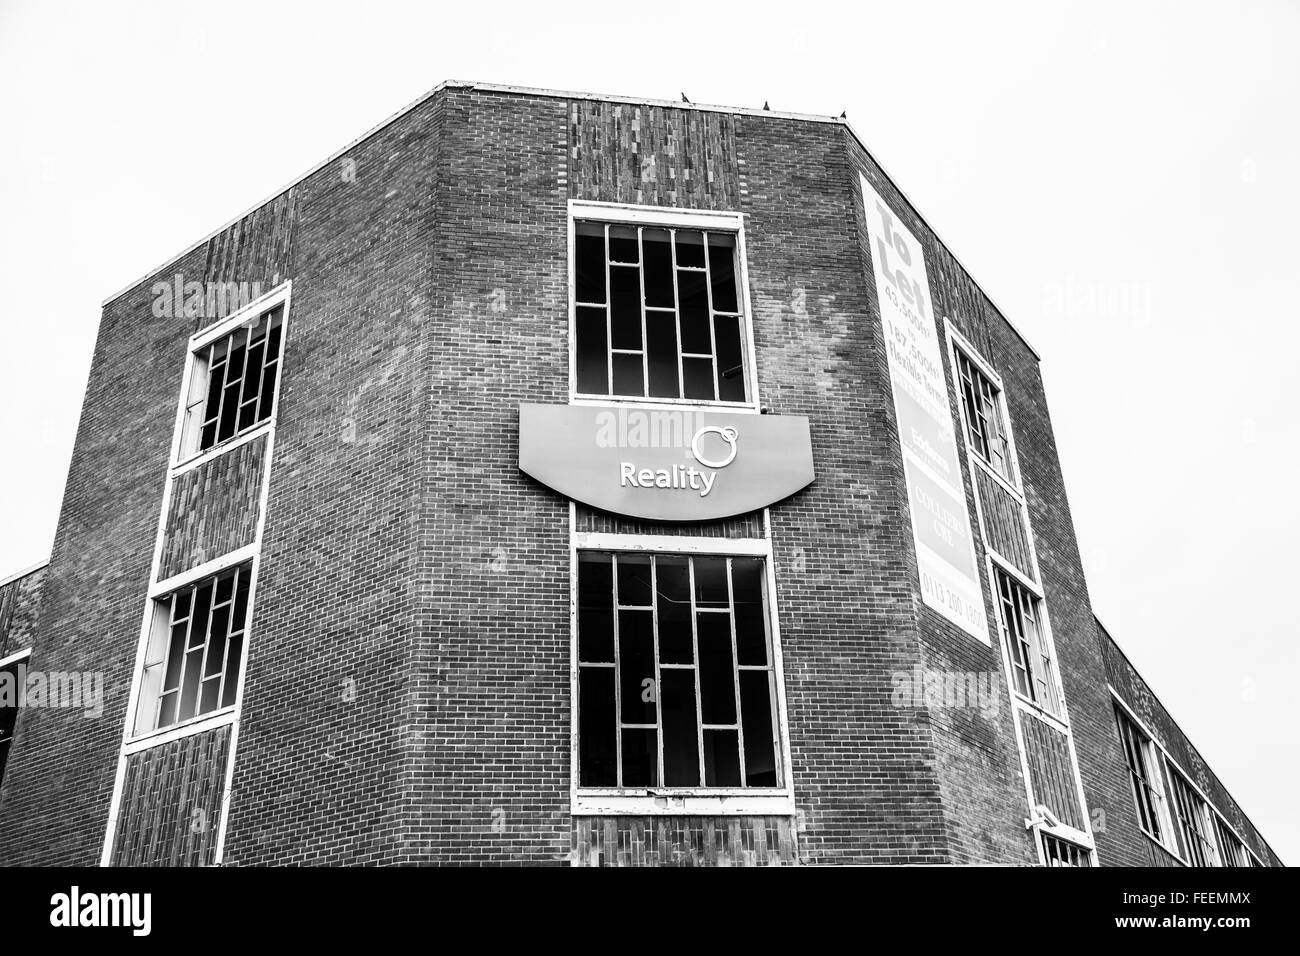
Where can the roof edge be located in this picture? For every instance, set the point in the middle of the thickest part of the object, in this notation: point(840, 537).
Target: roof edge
point(1151, 690)
point(19, 575)
point(604, 98)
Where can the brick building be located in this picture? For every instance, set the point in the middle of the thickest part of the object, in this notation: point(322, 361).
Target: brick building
point(552, 478)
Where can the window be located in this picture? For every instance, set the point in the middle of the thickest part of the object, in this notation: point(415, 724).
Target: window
point(676, 687)
point(1234, 852)
point(658, 313)
point(1193, 822)
point(192, 659)
point(10, 691)
point(1027, 643)
point(982, 403)
point(1144, 771)
point(1058, 852)
point(232, 385)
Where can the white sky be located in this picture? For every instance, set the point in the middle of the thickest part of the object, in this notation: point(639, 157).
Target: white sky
point(1120, 177)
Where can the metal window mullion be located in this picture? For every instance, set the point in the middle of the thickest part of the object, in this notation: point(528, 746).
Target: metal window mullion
point(217, 371)
point(695, 647)
point(677, 308)
point(609, 382)
point(231, 630)
point(618, 672)
point(713, 338)
point(735, 658)
point(645, 340)
point(660, 779)
point(243, 378)
point(162, 682)
point(207, 640)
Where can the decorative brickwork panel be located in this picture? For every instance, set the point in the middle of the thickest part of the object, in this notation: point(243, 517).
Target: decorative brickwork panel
point(684, 841)
point(18, 605)
point(255, 254)
point(1048, 753)
point(653, 155)
point(213, 509)
point(742, 526)
point(171, 802)
point(1004, 522)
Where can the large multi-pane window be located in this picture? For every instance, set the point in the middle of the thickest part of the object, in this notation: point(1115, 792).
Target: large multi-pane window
point(1233, 851)
point(232, 386)
point(9, 693)
point(192, 661)
point(1058, 852)
point(1027, 644)
point(1144, 771)
point(982, 403)
point(676, 685)
point(658, 313)
point(1193, 815)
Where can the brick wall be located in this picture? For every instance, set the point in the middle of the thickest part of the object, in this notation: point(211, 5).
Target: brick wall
point(407, 695)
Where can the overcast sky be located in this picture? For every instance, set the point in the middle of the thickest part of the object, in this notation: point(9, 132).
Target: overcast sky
point(1122, 178)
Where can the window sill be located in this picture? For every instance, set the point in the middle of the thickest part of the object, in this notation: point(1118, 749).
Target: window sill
point(1041, 712)
point(219, 449)
point(195, 725)
point(1157, 842)
point(684, 803)
point(644, 402)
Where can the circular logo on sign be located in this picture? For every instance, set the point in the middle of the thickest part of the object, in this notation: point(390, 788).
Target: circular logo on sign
point(728, 435)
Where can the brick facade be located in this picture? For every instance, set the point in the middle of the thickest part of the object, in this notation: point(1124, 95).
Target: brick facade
point(407, 693)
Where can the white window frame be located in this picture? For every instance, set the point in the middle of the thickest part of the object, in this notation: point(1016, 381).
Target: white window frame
point(1170, 765)
point(131, 742)
point(182, 459)
point(640, 215)
point(1153, 758)
point(680, 801)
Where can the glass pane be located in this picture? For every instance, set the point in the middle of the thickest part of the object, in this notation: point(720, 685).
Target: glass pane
point(595, 607)
point(634, 580)
point(674, 602)
point(597, 726)
point(225, 587)
point(592, 351)
point(694, 310)
point(658, 268)
point(629, 375)
point(721, 759)
point(661, 354)
point(722, 272)
point(175, 656)
point(717, 675)
point(167, 710)
point(751, 623)
point(681, 741)
point(636, 667)
point(589, 263)
point(266, 399)
point(190, 685)
point(216, 656)
point(202, 605)
point(698, 373)
point(625, 302)
point(208, 697)
point(623, 245)
point(233, 652)
point(640, 758)
point(711, 582)
point(756, 718)
point(731, 362)
point(690, 247)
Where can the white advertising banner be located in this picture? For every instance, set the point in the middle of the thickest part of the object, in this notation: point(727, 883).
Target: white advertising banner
point(945, 550)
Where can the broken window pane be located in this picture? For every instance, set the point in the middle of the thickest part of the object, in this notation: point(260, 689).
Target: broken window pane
point(721, 759)
point(592, 351)
point(589, 263)
point(636, 666)
point(640, 758)
point(595, 608)
point(681, 738)
point(625, 304)
point(722, 274)
point(657, 247)
point(239, 373)
point(756, 717)
point(667, 696)
point(597, 726)
point(690, 248)
point(656, 290)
